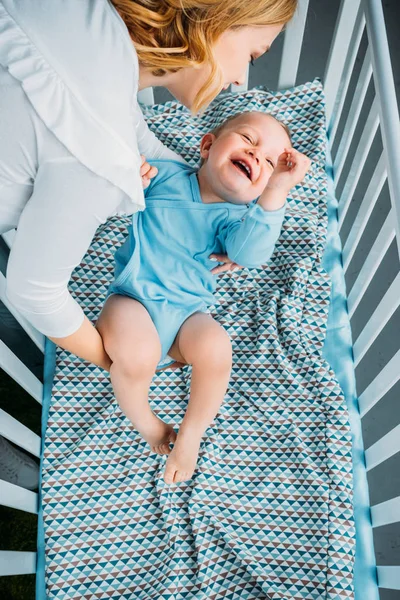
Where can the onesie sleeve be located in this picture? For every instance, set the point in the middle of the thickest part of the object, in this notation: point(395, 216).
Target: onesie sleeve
point(55, 229)
point(250, 241)
point(149, 145)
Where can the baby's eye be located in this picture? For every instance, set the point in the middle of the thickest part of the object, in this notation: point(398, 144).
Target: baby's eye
point(247, 137)
point(270, 162)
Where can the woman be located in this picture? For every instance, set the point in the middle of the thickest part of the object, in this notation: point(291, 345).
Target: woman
point(71, 130)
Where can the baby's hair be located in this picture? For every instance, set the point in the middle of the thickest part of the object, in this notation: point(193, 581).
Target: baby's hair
point(218, 130)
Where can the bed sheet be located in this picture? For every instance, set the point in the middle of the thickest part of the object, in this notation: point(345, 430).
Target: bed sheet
point(268, 513)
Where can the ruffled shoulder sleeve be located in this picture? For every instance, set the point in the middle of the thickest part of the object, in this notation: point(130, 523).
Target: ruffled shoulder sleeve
point(78, 67)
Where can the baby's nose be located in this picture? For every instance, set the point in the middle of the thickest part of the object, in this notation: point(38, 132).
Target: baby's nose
point(254, 154)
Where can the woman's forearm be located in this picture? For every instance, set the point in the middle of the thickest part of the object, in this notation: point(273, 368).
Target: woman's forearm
point(86, 343)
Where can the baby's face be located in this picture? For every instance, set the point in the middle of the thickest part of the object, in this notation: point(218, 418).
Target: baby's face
point(240, 161)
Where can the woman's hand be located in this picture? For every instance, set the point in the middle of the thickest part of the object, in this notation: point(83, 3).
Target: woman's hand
point(147, 172)
point(227, 266)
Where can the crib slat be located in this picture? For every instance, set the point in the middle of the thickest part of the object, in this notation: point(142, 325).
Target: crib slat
point(17, 433)
point(389, 578)
point(341, 41)
point(146, 96)
point(33, 333)
point(367, 206)
point(20, 373)
point(292, 47)
point(18, 497)
point(383, 449)
point(372, 262)
point(386, 379)
point(353, 116)
point(363, 148)
point(17, 563)
point(386, 512)
point(9, 236)
point(388, 108)
point(378, 320)
point(346, 77)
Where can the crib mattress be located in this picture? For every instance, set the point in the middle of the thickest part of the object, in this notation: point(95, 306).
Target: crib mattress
point(268, 513)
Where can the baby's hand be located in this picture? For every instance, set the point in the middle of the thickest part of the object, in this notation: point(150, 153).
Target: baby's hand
point(290, 170)
point(147, 172)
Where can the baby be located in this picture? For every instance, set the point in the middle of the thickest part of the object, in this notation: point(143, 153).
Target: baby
point(157, 305)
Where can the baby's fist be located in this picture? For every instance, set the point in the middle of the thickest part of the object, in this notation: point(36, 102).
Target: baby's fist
point(147, 172)
point(290, 170)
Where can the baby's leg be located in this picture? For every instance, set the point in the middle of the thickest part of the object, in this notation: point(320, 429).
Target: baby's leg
point(131, 341)
point(203, 343)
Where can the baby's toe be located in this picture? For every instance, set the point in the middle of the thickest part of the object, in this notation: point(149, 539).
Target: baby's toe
point(165, 449)
point(182, 476)
point(169, 475)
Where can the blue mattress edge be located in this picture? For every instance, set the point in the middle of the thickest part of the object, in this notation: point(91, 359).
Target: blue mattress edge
point(338, 351)
point(48, 376)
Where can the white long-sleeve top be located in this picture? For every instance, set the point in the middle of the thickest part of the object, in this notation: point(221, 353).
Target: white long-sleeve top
point(71, 135)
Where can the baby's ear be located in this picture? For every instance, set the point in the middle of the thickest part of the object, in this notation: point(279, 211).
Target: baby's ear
point(206, 142)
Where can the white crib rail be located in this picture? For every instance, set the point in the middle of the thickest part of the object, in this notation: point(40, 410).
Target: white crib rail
point(17, 563)
point(355, 16)
point(292, 47)
point(13, 496)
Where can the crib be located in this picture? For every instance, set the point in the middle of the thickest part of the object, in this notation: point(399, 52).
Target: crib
point(351, 133)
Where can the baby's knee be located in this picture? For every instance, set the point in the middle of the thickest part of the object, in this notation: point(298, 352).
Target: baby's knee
point(139, 361)
point(214, 349)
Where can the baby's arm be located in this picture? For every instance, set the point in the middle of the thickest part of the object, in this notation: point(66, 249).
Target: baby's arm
point(251, 241)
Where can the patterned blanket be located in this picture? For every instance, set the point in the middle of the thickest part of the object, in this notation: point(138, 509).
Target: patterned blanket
point(268, 513)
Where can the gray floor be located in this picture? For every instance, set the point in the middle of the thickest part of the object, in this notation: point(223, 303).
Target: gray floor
point(384, 481)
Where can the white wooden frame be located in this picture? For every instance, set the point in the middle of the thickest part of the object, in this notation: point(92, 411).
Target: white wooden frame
point(354, 17)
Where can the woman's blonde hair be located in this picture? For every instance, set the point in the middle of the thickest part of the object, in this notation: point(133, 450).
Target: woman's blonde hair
point(169, 35)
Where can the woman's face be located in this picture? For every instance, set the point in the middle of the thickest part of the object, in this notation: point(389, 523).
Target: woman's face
point(233, 51)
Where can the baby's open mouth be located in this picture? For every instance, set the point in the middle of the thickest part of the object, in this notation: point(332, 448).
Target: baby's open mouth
point(242, 167)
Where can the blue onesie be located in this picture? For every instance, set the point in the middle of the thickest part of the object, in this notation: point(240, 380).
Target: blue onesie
point(164, 261)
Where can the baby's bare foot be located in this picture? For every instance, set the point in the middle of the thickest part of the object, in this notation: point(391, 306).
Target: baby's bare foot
point(181, 463)
point(158, 435)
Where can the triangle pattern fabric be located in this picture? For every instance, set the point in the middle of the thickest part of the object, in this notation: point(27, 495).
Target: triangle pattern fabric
point(268, 513)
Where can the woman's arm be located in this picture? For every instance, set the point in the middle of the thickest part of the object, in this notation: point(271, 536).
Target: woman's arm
point(149, 145)
point(55, 229)
point(86, 343)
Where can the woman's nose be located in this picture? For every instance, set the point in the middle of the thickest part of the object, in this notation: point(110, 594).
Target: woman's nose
point(241, 80)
